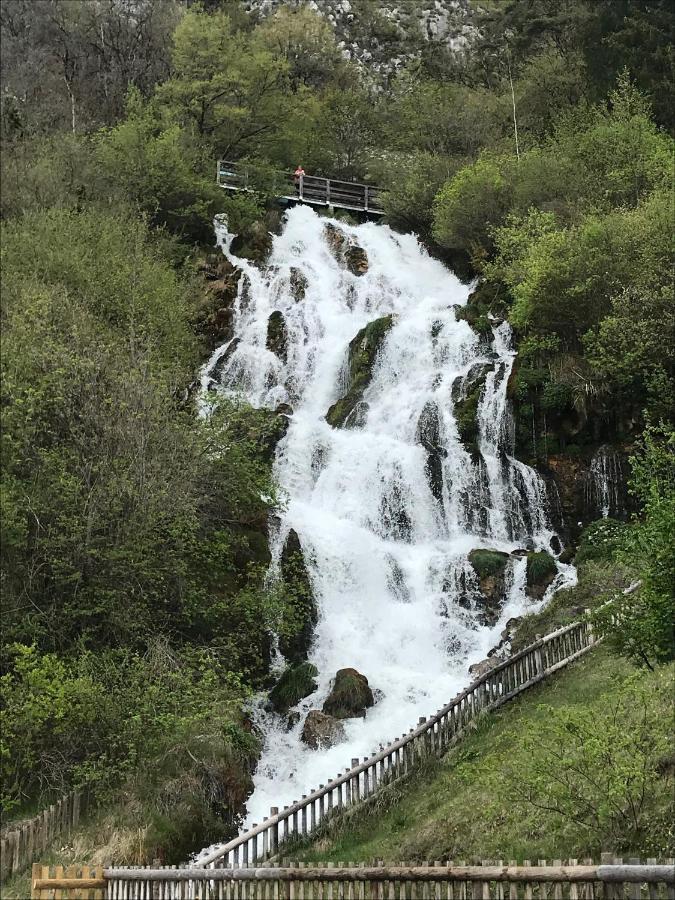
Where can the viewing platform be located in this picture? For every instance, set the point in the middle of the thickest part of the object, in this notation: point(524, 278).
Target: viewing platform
point(328, 192)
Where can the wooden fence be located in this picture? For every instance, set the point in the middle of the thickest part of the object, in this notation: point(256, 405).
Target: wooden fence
point(19, 846)
point(360, 782)
point(311, 189)
point(437, 881)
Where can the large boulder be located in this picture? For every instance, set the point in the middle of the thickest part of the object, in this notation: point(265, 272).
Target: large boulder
point(541, 570)
point(350, 696)
point(363, 350)
point(303, 614)
point(299, 284)
point(296, 683)
point(321, 731)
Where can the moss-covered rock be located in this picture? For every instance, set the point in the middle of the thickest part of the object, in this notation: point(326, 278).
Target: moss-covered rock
point(541, 570)
point(296, 683)
point(301, 612)
point(488, 563)
point(277, 335)
point(490, 568)
point(350, 696)
point(466, 394)
point(321, 731)
point(363, 350)
point(488, 299)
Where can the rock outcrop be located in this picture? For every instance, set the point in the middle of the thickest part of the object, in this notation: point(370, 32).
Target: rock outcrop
point(346, 250)
point(296, 683)
point(490, 569)
point(541, 570)
point(277, 335)
point(428, 435)
point(300, 599)
point(350, 696)
point(321, 731)
point(363, 350)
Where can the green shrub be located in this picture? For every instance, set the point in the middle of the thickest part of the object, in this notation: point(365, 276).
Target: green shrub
point(540, 567)
point(295, 683)
point(488, 563)
point(600, 540)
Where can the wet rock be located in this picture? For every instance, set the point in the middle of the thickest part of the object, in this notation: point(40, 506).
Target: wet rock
point(350, 696)
point(321, 731)
point(277, 335)
point(356, 259)
point(477, 670)
point(502, 649)
point(428, 435)
point(253, 243)
point(490, 568)
point(363, 350)
point(300, 599)
point(217, 371)
point(299, 284)
point(519, 553)
point(346, 250)
point(466, 394)
point(292, 719)
point(284, 409)
point(541, 570)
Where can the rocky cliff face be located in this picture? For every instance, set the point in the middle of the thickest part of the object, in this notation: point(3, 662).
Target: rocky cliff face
point(369, 31)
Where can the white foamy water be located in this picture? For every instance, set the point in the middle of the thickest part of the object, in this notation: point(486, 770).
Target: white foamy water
point(386, 553)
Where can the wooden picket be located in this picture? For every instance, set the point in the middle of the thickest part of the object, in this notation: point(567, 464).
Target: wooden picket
point(21, 845)
point(430, 881)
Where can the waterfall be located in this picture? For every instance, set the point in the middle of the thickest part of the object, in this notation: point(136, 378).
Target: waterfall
point(605, 484)
point(388, 509)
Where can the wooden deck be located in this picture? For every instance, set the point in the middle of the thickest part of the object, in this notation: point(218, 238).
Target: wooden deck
point(328, 192)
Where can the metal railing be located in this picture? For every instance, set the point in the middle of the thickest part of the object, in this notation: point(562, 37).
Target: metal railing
point(435, 735)
point(330, 192)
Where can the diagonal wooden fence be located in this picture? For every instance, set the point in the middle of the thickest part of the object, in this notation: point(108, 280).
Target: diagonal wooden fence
point(359, 783)
point(21, 844)
point(437, 881)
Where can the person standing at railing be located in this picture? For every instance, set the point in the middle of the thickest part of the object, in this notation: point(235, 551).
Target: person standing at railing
point(298, 176)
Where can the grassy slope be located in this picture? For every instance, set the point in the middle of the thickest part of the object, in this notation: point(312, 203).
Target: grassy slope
point(456, 809)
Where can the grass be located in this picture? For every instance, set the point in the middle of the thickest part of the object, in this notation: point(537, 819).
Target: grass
point(462, 808)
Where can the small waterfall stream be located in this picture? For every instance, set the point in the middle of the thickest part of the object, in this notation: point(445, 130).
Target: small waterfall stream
point(386, 545)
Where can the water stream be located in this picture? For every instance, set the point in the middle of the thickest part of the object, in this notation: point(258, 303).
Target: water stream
point(385, 546)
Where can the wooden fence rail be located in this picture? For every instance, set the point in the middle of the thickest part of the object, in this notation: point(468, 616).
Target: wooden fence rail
point(312, 189)
point(359, 783)
point(437, 881)
point(22, 844)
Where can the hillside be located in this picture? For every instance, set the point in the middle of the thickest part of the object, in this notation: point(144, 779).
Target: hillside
point(277, 478)
point(472, 804)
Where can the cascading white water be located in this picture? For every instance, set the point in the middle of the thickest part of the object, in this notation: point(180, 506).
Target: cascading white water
point(605, 483)
point(386, 552)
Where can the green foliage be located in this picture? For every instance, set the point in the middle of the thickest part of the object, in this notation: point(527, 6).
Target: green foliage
point(639, 624)
point(151, 160)
point(541, 567)
point(488, 563)
point(600, 540)
point(148, 710)
point(296, 682)
point(598, 769)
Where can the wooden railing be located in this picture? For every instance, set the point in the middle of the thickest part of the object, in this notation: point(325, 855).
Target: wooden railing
point(234, 176)
point(489, 881)
point(21, 844)
point(435, 735)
